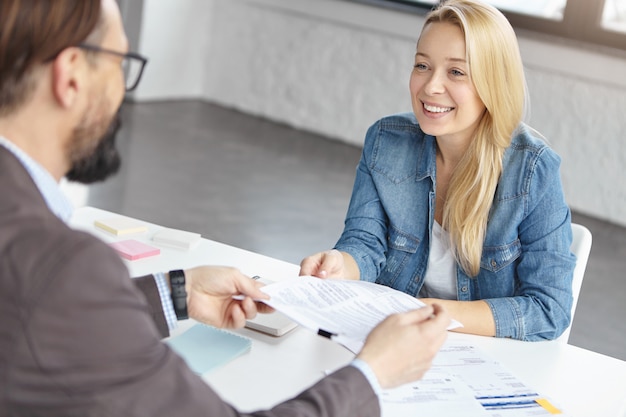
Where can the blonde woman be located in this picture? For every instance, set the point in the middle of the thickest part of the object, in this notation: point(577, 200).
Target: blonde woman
point(460, 201)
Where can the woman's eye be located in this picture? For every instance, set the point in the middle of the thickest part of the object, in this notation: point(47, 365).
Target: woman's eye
point(420, 67)
point(457, 73)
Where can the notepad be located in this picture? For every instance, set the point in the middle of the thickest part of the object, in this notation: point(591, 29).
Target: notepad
point(121, 225)
point(133, 249)
point(177, 238)
point(205, 347)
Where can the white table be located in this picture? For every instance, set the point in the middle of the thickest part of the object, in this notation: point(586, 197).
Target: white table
point(584, 383)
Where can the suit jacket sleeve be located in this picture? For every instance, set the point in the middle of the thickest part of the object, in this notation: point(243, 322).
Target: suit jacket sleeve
point(148, 287)
point(90, 347)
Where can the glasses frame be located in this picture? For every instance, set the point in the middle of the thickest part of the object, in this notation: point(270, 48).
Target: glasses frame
point(128, 55)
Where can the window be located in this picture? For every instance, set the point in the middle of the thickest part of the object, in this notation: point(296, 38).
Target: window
point(599, 22)
point(547, 9)
point(614, 15)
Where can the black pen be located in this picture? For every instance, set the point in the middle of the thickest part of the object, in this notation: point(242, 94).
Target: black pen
point(326, 333)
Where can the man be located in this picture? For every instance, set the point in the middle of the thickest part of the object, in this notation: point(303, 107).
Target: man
point(77, 336)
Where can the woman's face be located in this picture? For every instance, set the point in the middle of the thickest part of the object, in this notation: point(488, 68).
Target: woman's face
point(443, 96)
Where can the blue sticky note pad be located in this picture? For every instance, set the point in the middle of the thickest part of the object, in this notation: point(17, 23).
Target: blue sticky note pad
point(205, 348)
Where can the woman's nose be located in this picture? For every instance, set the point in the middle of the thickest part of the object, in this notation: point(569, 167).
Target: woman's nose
point(435, 84)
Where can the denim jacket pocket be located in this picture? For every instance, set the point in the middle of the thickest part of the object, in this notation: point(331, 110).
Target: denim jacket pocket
point(400, 247)
point(494, 258)
point(402, 241)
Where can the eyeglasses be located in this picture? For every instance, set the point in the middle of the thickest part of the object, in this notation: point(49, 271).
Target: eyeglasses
point(132, 64)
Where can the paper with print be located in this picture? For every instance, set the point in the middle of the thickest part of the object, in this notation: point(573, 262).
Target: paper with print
point(343, 310)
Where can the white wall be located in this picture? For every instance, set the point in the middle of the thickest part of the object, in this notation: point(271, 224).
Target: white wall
point(174, 35)
point(334, 67)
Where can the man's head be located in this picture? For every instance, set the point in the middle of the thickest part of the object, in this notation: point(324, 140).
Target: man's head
point(32, 33)
point(51, 59)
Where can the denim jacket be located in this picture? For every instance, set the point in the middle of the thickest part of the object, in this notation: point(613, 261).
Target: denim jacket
point(526, 266)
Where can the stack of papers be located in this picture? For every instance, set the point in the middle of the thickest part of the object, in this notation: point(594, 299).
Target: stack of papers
point(120, 225)
point(177, 238)
point(132, 249)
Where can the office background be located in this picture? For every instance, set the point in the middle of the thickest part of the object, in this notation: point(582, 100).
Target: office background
point(317, 74)
point(333, 67)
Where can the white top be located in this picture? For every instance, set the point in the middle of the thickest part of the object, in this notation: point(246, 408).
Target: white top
point(440, 279)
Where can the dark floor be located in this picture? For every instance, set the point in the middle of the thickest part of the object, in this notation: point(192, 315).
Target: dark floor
point(271, 189)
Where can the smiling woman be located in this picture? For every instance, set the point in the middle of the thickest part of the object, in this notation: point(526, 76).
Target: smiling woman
point(441, 87)
point(460, 203)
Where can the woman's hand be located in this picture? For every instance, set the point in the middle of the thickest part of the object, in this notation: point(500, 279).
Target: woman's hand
point(328, 264)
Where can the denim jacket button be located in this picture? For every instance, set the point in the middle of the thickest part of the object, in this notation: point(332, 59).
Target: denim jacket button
point(464, 289)
point(494, 263)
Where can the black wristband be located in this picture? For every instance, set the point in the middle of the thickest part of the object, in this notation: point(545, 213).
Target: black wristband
point(179, 295)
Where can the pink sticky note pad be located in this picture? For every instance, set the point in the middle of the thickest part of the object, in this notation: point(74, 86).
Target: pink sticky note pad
point(132, 249)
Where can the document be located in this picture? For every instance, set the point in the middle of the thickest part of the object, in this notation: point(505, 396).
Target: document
point(464, 378)
point(436, 394)
point(343, 310)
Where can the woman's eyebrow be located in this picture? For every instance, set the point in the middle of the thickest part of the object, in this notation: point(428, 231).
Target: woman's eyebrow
point(422, 54)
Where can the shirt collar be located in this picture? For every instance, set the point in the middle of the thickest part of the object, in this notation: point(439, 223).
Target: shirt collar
point(49, 188)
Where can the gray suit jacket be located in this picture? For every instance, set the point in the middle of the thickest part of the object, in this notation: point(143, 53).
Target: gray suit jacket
point(78, 337)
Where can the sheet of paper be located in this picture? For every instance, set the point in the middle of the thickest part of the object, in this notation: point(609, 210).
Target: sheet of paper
point(463, 376)
point(498, 391)
point(437, 394)
point(347, 310)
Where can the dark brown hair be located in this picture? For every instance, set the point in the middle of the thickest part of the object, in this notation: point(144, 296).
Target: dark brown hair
point(34, 32)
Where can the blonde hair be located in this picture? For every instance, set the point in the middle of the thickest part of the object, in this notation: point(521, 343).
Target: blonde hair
point(495, 68)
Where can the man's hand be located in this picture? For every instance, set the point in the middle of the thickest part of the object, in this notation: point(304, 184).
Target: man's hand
point(401, 348)
point(210, 291)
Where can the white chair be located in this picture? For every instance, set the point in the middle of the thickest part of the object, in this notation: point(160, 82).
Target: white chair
point(581, 246)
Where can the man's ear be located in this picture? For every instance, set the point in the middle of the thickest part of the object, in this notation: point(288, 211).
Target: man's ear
point(68, 76)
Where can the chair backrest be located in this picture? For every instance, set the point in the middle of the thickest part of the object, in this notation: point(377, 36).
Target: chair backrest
point(581, 246)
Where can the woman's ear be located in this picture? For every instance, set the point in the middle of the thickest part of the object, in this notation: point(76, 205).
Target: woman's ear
point(68, 76)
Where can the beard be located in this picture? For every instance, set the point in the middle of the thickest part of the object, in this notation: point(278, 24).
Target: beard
point(93, 161)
